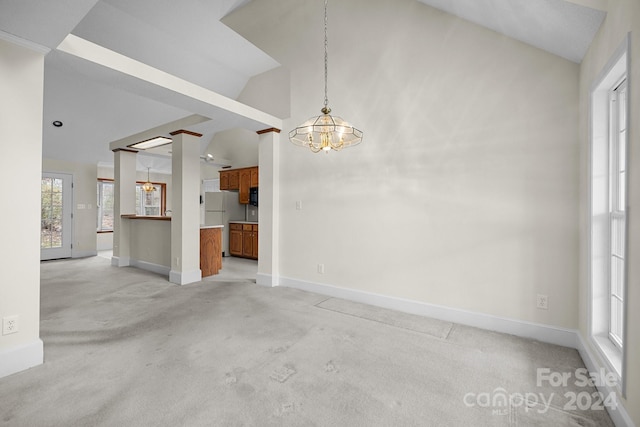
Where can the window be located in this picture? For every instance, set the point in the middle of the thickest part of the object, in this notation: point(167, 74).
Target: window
point(617, 202)
point(105, 205)
point(608, 201)
point(152, 203)
point(211, 185)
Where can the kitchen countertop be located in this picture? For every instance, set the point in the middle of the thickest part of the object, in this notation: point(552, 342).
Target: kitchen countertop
point(244, 222)
point(154, 218)
point(211, 226)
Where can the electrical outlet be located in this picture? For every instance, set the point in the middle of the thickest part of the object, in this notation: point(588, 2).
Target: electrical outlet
point(542, 302)
point(321, 268)
point(9, 325)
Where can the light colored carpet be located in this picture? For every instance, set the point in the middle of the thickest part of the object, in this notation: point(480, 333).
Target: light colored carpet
point(123, 347)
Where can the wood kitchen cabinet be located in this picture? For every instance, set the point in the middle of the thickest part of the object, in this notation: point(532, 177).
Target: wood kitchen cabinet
point(250, 241)
point(243, 240)
point(240, 179)
point(224, 180)
point(210, 251)
point(245, 183)
point(235, 239)
point(254, 177)
point(254, 253)
point(234, 179)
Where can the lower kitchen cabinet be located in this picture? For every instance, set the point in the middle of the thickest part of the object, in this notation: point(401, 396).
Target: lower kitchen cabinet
point(210, 251)
point(243, 240)
point(235, 239)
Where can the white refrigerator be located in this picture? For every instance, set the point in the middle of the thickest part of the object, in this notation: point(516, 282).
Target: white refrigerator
point(219, 208)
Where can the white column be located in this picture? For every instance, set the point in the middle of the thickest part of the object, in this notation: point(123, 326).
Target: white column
point(269, 214)
point(124, 202)
point(21, 86)
point(185, 216)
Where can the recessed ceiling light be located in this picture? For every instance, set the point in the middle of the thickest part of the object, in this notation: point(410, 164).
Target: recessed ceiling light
point(57, 123)
point(151, 143)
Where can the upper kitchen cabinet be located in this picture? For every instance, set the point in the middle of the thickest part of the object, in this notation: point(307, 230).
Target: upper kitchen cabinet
point(245, 183)
point(234, 180)
point(229, 179)
point(224, 180)
point(254, 177)
point(240, 179)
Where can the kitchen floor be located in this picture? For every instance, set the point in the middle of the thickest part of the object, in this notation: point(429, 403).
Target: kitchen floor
point(234, 269)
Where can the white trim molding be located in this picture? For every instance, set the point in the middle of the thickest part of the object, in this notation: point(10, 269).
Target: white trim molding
point(22, 357)
point(149, 266)
point(24, 42)
point(266, 280)
point(536, 331)
point(619, 416)
point(185, 277)
point(120, 261)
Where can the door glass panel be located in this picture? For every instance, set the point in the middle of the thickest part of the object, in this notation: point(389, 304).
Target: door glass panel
point(51, 223)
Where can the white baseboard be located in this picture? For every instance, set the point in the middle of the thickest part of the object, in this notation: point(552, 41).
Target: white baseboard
point(619, 416)
point(545, 333)
point(536, 331)
point(149, 266)
point(185, 277)
point(266, 280)
point(22, 357)
point(122, 261)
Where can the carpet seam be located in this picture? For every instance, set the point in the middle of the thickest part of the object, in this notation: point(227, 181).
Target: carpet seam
point(382, 323)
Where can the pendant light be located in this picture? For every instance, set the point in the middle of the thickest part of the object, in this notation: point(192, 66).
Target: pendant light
point(325, 132)
point(148, 187)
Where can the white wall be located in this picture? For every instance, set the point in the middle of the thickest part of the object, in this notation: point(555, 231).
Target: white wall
point(269, 92)
point(151, 242)
point(622, 16)
point(21, 86)
point(84, 203)
point(464, 191)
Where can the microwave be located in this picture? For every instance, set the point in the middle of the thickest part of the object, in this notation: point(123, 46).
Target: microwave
point(253, 196)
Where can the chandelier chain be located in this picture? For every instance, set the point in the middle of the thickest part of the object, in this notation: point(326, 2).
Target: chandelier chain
point(326, 56)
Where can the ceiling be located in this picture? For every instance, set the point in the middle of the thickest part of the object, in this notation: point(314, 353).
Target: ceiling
point(97, 106)
point(562, 27)
point(186, 39)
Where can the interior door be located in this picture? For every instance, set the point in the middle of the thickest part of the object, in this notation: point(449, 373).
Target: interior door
point(56, 216)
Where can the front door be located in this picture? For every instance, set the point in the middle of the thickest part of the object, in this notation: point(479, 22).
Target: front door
point(55, 223)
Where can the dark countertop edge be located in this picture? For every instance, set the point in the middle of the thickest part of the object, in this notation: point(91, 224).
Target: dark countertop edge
point(154, 218)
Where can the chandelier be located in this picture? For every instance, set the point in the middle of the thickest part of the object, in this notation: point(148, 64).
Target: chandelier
point(325, 132)
point(148, 187)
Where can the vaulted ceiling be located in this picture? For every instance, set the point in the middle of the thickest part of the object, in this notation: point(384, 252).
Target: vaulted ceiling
point(564, 28)
point(186, 39)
